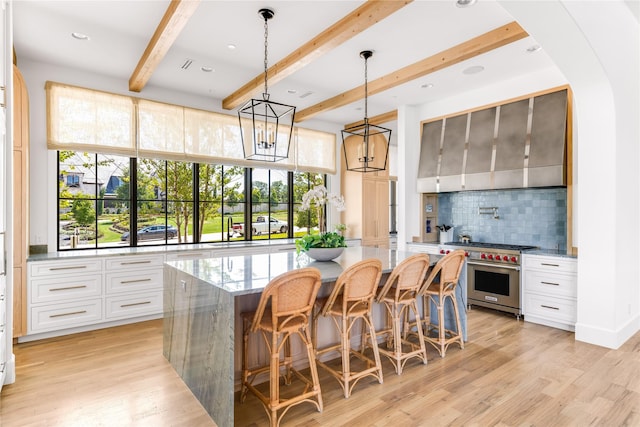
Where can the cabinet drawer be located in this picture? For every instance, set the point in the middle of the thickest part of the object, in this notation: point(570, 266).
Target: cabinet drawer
point(133, 305)
point(133, 262)
point(557, 264)
point(188, 255)
point(67, 268)
point(549, 283)
point(128, 281)
point(559, 309)
point(61, 316)
point(65, 288)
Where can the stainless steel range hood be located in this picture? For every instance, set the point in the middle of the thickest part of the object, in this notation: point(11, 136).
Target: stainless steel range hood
point(520, 144)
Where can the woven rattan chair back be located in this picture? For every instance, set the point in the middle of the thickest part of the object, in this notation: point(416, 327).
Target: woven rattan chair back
point(357, 284)
point(406, 277)
point(449, 267)
point(291, 295)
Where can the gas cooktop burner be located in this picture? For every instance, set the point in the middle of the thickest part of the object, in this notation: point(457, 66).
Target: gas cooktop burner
point(488, 246)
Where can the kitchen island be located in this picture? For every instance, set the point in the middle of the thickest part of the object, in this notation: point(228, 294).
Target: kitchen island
point(202, 302)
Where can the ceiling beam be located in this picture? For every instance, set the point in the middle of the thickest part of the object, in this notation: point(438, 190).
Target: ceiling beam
point(389, 116)
point(172, 23)
point(354, 23)
point(486, 42)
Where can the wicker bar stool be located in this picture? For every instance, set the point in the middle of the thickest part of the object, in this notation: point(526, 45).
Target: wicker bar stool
point(399, 296)
point(351, 299)
point(448, 268)
point(284, 310)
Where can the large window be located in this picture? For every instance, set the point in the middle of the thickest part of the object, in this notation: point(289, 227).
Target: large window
point(175, 202)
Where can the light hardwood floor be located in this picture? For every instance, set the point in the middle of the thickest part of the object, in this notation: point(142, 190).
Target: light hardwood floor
point(511, 373)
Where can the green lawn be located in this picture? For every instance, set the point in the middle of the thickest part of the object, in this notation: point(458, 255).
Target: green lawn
point(216, 224)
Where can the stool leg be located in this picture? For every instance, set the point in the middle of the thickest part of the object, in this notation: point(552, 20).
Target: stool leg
point(346, 345)
point(397, 338)
point(274, 379)
point(288, 359)
point(313, 368)
point(458, 325)
point(374, 344)
point(423, 348)
point(441, 326)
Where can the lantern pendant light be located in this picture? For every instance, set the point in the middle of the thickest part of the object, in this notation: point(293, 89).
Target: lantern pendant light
point(266, 127)
point(366, 146)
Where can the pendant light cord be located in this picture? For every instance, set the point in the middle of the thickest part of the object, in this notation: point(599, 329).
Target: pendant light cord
point(266, 35)
point(366, 90)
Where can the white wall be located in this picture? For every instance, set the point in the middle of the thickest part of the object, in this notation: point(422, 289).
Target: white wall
point(43, 165)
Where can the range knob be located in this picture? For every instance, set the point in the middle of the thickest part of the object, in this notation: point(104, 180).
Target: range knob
point(505, 258)
point(483, 256)
point(466, 254)
point(514, 259)
point(448, 251)
point(442, 251)
point(490, 256)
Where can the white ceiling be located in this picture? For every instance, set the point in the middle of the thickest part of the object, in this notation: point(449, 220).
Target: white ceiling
point(119, 32)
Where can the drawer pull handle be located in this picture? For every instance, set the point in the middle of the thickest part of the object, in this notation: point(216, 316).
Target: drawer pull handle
point(550, 265)
point(135, 281)
point(67, 288)
point(135, 262)
point(67, 314)
point(135, 303)
point(73, 267)
point(550, 283)
point(548, 306)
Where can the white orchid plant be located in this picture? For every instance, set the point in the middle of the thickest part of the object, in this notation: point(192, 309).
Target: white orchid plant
point(319, 197)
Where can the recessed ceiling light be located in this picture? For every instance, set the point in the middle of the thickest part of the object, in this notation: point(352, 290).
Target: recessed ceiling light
point(534, 48)
point(465, 3)
point(426, 85)
point(79, 36)
point(292, 91)
point(231, 46)
point(475, 69)
point(206, 69)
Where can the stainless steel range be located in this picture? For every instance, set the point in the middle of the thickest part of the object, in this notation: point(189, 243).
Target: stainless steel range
point(493, 274)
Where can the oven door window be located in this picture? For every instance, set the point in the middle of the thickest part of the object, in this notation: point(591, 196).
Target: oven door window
point(489, 281)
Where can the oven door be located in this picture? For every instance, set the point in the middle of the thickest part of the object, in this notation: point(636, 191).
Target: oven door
point(494, 286)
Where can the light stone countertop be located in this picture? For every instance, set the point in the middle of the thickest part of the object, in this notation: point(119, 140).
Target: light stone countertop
point(249, 274)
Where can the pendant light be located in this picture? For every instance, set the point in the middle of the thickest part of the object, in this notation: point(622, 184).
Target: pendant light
point(266, 126)
point(366, 146)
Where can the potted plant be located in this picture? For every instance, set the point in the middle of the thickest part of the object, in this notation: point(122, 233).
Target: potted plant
point(322, 246)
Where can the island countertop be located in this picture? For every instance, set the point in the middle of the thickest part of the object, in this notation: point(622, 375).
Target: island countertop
point(249, 274)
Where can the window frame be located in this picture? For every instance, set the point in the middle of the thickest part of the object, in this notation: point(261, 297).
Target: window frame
point(133, 202)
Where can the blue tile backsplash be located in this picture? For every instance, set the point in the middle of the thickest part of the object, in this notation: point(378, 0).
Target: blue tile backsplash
point(531, 216)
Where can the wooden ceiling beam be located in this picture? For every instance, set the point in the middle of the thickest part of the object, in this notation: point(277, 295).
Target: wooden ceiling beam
point(354, 23)
point(389, 116)
point(172, 23)
point(486, 42)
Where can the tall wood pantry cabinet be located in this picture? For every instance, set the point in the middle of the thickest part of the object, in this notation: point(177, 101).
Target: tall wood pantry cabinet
point(20, 202)
point(366, 213)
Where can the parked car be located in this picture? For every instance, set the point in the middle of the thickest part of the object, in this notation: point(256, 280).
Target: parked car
point(153, 232)
point(263, 224)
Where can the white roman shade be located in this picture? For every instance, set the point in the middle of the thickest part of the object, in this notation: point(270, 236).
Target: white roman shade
point(89, 120)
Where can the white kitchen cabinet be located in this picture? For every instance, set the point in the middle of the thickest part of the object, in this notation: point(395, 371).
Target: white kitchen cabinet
point(549, 286)
point(427, 248)
point(73, 295)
